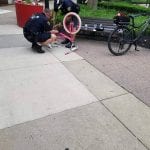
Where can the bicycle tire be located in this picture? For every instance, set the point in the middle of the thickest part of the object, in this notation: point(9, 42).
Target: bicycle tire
point(78, 22)
point(120, 39)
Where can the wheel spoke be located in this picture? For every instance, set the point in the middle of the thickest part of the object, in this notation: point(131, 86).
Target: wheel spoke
point(72, 23)
point(118, 41)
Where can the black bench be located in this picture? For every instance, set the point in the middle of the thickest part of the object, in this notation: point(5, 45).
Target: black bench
point(96, 27)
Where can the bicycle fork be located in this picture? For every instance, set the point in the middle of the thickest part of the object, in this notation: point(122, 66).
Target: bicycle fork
point(134, 40)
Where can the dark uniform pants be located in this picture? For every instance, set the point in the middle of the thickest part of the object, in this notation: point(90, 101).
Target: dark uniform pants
point(36, 37)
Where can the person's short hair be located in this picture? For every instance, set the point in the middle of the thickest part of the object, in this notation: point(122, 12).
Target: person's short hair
point(48, 12)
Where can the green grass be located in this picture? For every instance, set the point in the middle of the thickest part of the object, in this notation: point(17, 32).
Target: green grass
point(139, 1)
point(86, 11)
point(104, 13)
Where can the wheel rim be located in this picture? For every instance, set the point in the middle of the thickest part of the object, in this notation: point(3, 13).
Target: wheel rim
point(119, 41)
point(72, 23)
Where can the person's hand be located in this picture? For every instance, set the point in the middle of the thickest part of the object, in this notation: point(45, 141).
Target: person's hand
point(57, 26)
point(54, 31)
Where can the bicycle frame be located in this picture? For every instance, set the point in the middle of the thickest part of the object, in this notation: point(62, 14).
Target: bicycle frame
point(69, 37)
point(70, 26)
point(143, 26)
point(123, 36)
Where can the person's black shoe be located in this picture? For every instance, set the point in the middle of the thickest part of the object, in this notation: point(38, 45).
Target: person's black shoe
point(37, 48)
point(34, 45)
point(69, 45)
point(65, 41)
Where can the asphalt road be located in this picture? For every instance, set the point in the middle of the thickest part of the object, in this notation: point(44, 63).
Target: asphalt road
point(130, 71)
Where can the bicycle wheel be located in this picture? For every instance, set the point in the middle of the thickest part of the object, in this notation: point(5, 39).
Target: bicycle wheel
point(119, 41)
point(72, 23)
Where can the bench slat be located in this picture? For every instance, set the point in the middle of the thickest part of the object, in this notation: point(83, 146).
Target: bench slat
point(90, 23)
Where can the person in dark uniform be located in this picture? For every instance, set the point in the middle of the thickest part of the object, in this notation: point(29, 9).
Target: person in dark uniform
point(66, 6)
point(39, 31)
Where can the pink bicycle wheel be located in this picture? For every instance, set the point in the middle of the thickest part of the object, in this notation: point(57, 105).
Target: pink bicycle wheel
point(72, 23)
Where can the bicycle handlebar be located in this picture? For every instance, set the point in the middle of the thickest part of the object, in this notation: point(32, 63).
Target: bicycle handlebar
point(137, 15)
point(132, 16)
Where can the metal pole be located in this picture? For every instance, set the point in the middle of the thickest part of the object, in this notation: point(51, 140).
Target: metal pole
point(47, 4)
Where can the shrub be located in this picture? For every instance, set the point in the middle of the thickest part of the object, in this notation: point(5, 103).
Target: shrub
point(124, 6)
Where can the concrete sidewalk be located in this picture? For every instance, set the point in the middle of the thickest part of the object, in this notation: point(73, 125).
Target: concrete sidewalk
point(54, 101)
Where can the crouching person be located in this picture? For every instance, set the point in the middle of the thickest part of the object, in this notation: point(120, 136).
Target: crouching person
point(39, 31)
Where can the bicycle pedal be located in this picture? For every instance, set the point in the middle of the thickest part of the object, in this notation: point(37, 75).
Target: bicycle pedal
point(71, 50)
point(74, 48)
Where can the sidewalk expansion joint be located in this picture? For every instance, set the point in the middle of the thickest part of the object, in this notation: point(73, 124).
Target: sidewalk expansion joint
point(25, 67)
point(125, 125)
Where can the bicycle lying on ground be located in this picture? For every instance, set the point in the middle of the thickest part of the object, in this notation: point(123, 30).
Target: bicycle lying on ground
point(71, 26)
point(124, 36)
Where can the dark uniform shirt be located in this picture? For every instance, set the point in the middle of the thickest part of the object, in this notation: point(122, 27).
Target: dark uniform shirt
point(66, 6)
point(36, 28)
